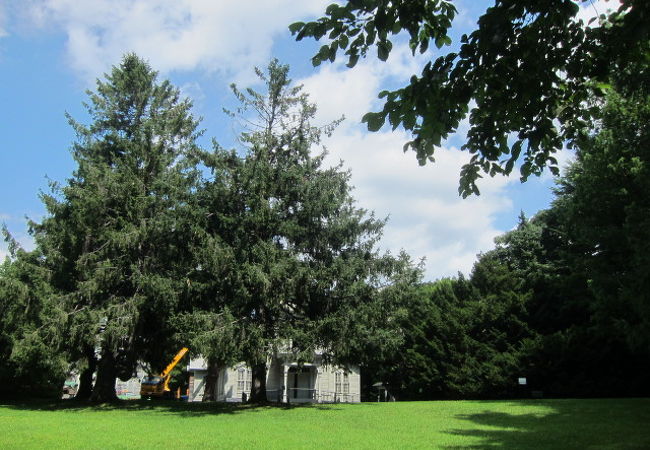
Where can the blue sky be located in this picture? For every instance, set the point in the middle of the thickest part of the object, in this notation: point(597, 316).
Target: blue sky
point(51, 51)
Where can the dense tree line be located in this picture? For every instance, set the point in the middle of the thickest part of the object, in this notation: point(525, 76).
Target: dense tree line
point(561, 300)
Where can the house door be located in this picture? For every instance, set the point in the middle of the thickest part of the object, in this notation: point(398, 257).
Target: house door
point(302, 385)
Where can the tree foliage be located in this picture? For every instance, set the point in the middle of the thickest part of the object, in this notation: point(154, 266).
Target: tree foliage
point(462, 338)
point(31, 358)
point(292, 257)
point(605, 197)
point(264, 254)
point(114, 237)
point(561, 299)
point(526, 77)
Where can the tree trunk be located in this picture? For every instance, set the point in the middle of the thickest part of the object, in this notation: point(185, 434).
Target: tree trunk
point(211, 379)
point(258, 386)
point(104, 389)
point(85, 389)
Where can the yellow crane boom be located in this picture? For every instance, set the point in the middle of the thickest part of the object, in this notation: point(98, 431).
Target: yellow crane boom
point(175, 361)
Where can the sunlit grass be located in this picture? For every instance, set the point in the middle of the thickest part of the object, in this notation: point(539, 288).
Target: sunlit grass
point(611, 423)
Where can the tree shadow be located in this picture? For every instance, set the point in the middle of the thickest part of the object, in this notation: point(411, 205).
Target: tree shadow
point(561, 424)
point(166, 407)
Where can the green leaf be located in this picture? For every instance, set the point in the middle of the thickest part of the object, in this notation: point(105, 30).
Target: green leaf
point(383, 50)
point(343, 42)
point(324, 52)
point(516, 149)
point(319, 30)
point(334, 33)
point(353, 61)
point(331, 9)
point(296, 27)
point(409, 120)
point(370, 36)
point(394, 119)
point(333, 48)
point(374, 120)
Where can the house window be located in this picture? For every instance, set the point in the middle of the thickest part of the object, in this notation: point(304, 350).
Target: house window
point(244, 380)
point(342, 383)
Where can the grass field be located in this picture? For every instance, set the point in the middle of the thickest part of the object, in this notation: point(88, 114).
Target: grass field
point(562, 424)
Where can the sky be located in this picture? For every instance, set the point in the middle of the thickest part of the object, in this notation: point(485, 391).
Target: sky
point(52, 51)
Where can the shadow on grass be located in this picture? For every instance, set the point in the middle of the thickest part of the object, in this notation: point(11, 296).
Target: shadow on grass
point(183, 409)
point(561, 424)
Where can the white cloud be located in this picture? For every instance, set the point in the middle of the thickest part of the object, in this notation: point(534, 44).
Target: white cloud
point(338, 90)
point(193, 91)
point(3, 21)
point(427, 217)
point(226, 36)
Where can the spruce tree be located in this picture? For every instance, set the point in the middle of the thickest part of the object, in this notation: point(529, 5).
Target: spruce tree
point(115, 234)
point(295, 258)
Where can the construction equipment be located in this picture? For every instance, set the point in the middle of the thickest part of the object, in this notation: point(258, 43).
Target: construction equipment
point(158, 386)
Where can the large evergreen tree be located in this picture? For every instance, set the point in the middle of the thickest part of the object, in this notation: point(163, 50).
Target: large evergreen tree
point(115, 234)
point(294, 258)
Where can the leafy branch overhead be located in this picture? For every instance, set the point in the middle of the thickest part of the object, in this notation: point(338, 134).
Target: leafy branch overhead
point(528, 78)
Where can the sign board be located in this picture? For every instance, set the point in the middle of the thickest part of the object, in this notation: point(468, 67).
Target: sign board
point(522, 381)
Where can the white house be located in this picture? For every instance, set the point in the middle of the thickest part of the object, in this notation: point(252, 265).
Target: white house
point(285, 381)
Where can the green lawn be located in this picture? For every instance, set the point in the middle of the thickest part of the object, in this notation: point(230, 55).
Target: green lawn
point(562, 424)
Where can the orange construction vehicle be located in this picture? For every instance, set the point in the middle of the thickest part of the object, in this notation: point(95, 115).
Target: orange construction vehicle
point(158, 386)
